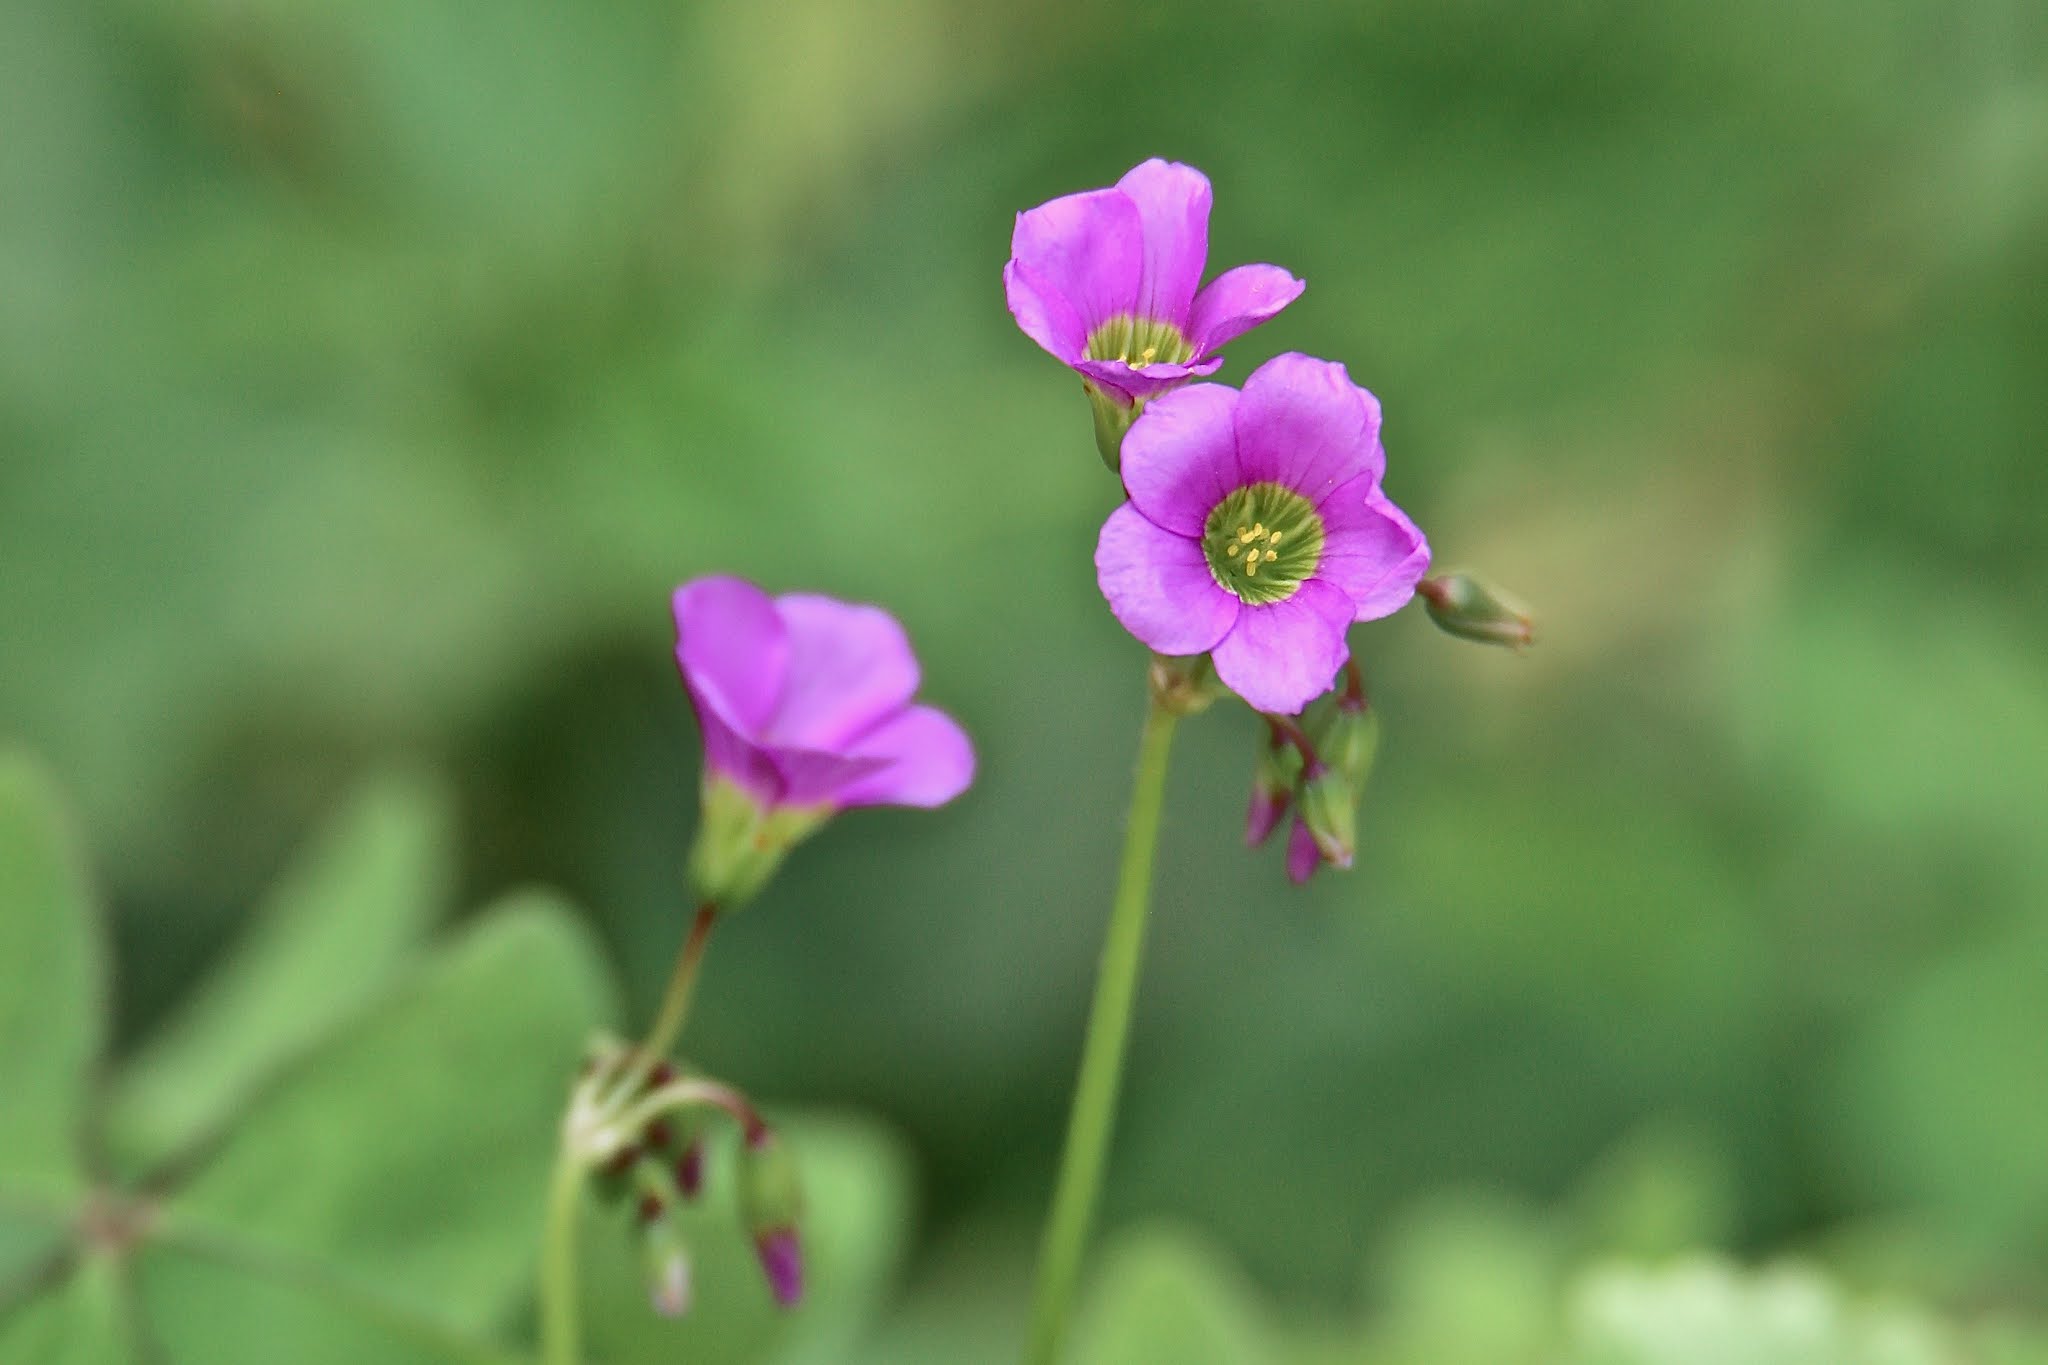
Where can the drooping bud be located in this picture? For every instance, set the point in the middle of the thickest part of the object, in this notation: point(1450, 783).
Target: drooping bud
point(1352, 742)
point(1184, 685)
point(1273, 780)
point(690, 1169)
point(771, 1201)
point(1473, 609)
point(1329, 811)
point(667, 1263)
point(742, 841)
point(1303, 857)
point(1114, 415)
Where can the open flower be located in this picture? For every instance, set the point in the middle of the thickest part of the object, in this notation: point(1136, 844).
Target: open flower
point(1256, 530)
point(805, 707)
point(1106, 281)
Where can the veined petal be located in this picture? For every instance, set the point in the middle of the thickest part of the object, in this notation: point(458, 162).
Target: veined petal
point(1159, 585)
point(1304, 424)
point(813, 777)
point(926, 760)
point(1236, 301)
point(849, 666)
point(1044, 313)
point(1148, 382)
point(1088, 248)
point(732, 648)
point(1180, 456)
point(1281, 656)
point(1371, 549)
point(1173, 204)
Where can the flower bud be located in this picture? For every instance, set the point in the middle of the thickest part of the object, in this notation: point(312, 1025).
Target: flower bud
point(1273, 780)
point(1329, 811)
point(1303, 857)
point(771, 1202)
point(1352, 742)
point(1471, 609)
point(690, 1169)
point(741, 842)
point(667, 1263)
point(1114, 414)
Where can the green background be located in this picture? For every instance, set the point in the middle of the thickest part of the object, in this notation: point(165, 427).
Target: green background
point(370, 373)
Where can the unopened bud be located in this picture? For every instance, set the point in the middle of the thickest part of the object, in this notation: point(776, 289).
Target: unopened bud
point(1279, 767)
point(667, 1263)
point(1329, 810)
point(1303, 857)
point(690, 1169)
point(1471, 609)
point(771, 1201)
point(782, 1262)
point(1352, 742)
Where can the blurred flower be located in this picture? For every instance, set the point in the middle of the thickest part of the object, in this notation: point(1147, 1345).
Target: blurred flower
point(771, 1202)
point(1256, 530)
point(1106, 281)
point(805, 707)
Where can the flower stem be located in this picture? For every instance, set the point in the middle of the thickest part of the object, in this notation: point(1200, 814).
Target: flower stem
point(675, 1006)
point(1102, 1056)
point(558, 1263)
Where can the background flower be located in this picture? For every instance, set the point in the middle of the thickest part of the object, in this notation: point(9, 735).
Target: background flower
point(805, 700)
point(1256, 529)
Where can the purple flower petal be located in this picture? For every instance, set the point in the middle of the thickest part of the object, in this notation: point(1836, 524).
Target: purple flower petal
point(732, 648)
point(849, 666)
point(1236, 301)
point(1304, 424)
point(1371, 549)
point(1303, 857)
point(1044, 313)
point(736, 759)
point(925, 756)
point(1281, 656)
point(1180, 457)
point(1173, 204)
point(814, 777)
point(1086, 248)
point(1153, 379)
point(1159, 585)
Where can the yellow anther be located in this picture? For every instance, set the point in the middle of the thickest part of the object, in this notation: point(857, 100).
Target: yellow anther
point(1258, 529)
point(1272, 555)
point(1274, 539)
point(1147, 354)
point(1251, 566)
point(1233, 550)
point(1243, 533)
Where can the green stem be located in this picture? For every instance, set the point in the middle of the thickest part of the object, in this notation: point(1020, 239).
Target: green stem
point(675, 1005)
point(558, 1334)
point(1102, 1056)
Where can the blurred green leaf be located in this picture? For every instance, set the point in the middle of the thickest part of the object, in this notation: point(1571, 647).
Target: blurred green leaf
point(25, 1245)
point(857, 1192)
point(1163, 1296)
point(321, 946)
point(79, 1322)
point(50, 985)
point(1469, 1279)
point(209, 1309)
point(411, 1154)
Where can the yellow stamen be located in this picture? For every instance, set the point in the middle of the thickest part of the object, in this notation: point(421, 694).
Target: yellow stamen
point(1233, 551)
point(1274, 539)
point(1272, 555)
point(1251, 566)
point(1243, 533)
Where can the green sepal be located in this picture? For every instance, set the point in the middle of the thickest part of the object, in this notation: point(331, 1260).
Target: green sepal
point(771, 1190)
point(740, 842)
point(1473, 609)
point(1329, 807)
point(1113, 417)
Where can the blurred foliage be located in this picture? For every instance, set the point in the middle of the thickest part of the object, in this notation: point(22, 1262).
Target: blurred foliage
point(370, 372)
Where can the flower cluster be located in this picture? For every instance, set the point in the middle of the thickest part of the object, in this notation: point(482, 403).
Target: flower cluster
point(1255, 531)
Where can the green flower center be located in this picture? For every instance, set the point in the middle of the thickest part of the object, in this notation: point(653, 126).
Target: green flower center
point(1263, 542)
point(1138, 343)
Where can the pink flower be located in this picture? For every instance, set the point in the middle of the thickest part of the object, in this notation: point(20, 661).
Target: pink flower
point(1107, 282)
point(805, 706)
point(1256, 530)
